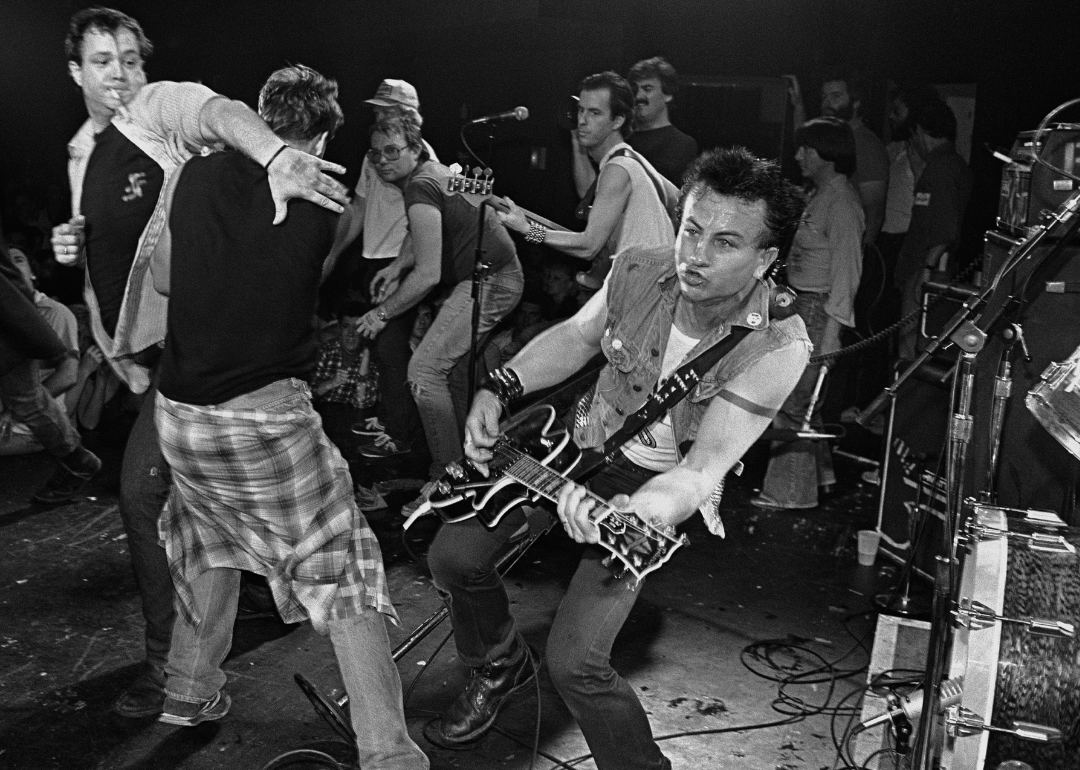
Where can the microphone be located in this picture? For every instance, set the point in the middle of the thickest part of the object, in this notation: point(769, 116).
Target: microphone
point(518, 113)
point(912, 705)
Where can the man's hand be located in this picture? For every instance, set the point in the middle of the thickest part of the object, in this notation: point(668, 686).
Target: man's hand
point(69, 239)
point(514, 219)
point(576, 507)
point(91, 360)
point(370, 325)
point(295, 174)
point(339, 379)
point(384, 283)
point(482, 428)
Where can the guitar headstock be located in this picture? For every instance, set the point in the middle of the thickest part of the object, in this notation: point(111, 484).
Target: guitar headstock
point(637, 547)
point(480, 183)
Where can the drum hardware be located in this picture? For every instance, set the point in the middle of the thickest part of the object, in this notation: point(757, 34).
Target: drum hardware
point(961, 722)
point(1036, 541)
point(975, 615)
point(1034, 516)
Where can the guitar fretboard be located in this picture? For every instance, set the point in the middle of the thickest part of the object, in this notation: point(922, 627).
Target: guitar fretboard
point(529, 472)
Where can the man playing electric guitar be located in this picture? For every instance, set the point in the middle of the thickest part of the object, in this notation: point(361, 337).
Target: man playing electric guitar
point(659, 308)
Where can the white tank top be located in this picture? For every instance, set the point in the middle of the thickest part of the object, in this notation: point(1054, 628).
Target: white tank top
point(654, 447)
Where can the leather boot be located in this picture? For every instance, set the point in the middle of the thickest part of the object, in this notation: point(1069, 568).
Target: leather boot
point(473, 713)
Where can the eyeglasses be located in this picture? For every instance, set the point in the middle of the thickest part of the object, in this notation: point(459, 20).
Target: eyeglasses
point(389, 152)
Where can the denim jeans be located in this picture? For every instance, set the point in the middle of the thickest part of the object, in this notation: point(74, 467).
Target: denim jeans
point(361, 646)
point(446, 343)
point(592, 612)
point(797, 468)
point(21, 392)
point(144, 489)
point(396, 408)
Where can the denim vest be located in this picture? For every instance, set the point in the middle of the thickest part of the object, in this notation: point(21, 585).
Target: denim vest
point(641, 293)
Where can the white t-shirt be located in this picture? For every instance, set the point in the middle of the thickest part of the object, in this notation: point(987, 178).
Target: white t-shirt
point(385, 223)
point(657, 451)
point(644, 222)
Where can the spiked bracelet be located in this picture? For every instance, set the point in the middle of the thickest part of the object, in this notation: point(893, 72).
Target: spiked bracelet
point(537, 233)
point(504, 383)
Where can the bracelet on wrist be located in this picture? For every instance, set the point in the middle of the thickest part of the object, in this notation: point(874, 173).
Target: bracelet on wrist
point(505, 384)
point(281, 149)
point(537, 233)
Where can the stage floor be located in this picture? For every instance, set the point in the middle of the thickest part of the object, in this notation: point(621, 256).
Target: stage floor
point(71, 639)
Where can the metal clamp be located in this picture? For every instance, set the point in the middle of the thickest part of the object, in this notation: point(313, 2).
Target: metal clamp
point(976, 616)
point(961, 722)
point(1037, 541)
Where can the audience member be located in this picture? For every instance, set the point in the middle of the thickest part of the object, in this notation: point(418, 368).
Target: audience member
point(120, 161)
point(843, 95)
point(666, 147)
point(379, 206)
point(257, 486)
point(941, 197)
point(26, 341)
point(345, 382)
point(443, 226)
point(824, 269)
point(58, 377)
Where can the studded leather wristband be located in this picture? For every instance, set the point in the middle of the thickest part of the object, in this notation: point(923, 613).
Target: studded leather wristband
point(505, 384)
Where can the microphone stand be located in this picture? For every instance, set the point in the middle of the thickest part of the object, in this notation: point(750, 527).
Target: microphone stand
point(479, 273)
point(967, 328)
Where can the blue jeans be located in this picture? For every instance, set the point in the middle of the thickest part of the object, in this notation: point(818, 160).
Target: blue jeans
point(361, 646)
point(22, 392)
point(396, 408)
point(592, 612)
point(797, 468)
point(144, 489)
point(446, 343)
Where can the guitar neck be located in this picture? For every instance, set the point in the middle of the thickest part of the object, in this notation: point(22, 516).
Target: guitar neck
point(544, 481)
point(500, 205)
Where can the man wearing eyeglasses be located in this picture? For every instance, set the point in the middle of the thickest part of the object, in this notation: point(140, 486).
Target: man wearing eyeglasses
point(378, 208)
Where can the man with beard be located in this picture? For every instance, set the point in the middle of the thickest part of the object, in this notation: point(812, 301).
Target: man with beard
point(842, 96)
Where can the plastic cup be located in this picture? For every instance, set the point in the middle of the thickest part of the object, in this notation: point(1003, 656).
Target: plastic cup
point(868, 546)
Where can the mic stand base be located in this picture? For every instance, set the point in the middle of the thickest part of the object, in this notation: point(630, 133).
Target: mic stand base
point(905, 606)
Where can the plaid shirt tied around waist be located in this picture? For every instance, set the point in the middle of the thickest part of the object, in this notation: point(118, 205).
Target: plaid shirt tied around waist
point(258, 486)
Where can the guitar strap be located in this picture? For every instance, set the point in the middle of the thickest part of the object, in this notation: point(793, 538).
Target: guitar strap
point(664, 396)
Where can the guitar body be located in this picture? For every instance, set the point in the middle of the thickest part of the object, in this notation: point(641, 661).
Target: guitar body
point(538, 433)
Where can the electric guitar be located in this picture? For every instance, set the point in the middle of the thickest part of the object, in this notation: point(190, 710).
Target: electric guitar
point(478, 188)
point(532, 459)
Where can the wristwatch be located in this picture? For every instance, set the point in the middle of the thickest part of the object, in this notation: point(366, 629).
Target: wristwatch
point(380, 313)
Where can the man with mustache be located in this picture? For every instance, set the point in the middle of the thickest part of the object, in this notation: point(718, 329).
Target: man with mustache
point(632, 200)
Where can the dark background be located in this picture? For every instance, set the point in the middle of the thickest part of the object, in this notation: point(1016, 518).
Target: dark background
point(471, 57)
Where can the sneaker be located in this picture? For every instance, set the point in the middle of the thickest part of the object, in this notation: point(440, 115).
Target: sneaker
point(381, 447)
point(184, 714)
point(368, 499)
point(425, 492)
point(369, 427)
point(71, 475)
point(144, 698)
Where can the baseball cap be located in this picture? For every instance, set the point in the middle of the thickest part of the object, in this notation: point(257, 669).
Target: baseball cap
point(391, 92)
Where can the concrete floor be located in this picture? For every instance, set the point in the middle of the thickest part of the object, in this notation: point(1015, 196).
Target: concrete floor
point(71, 639)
